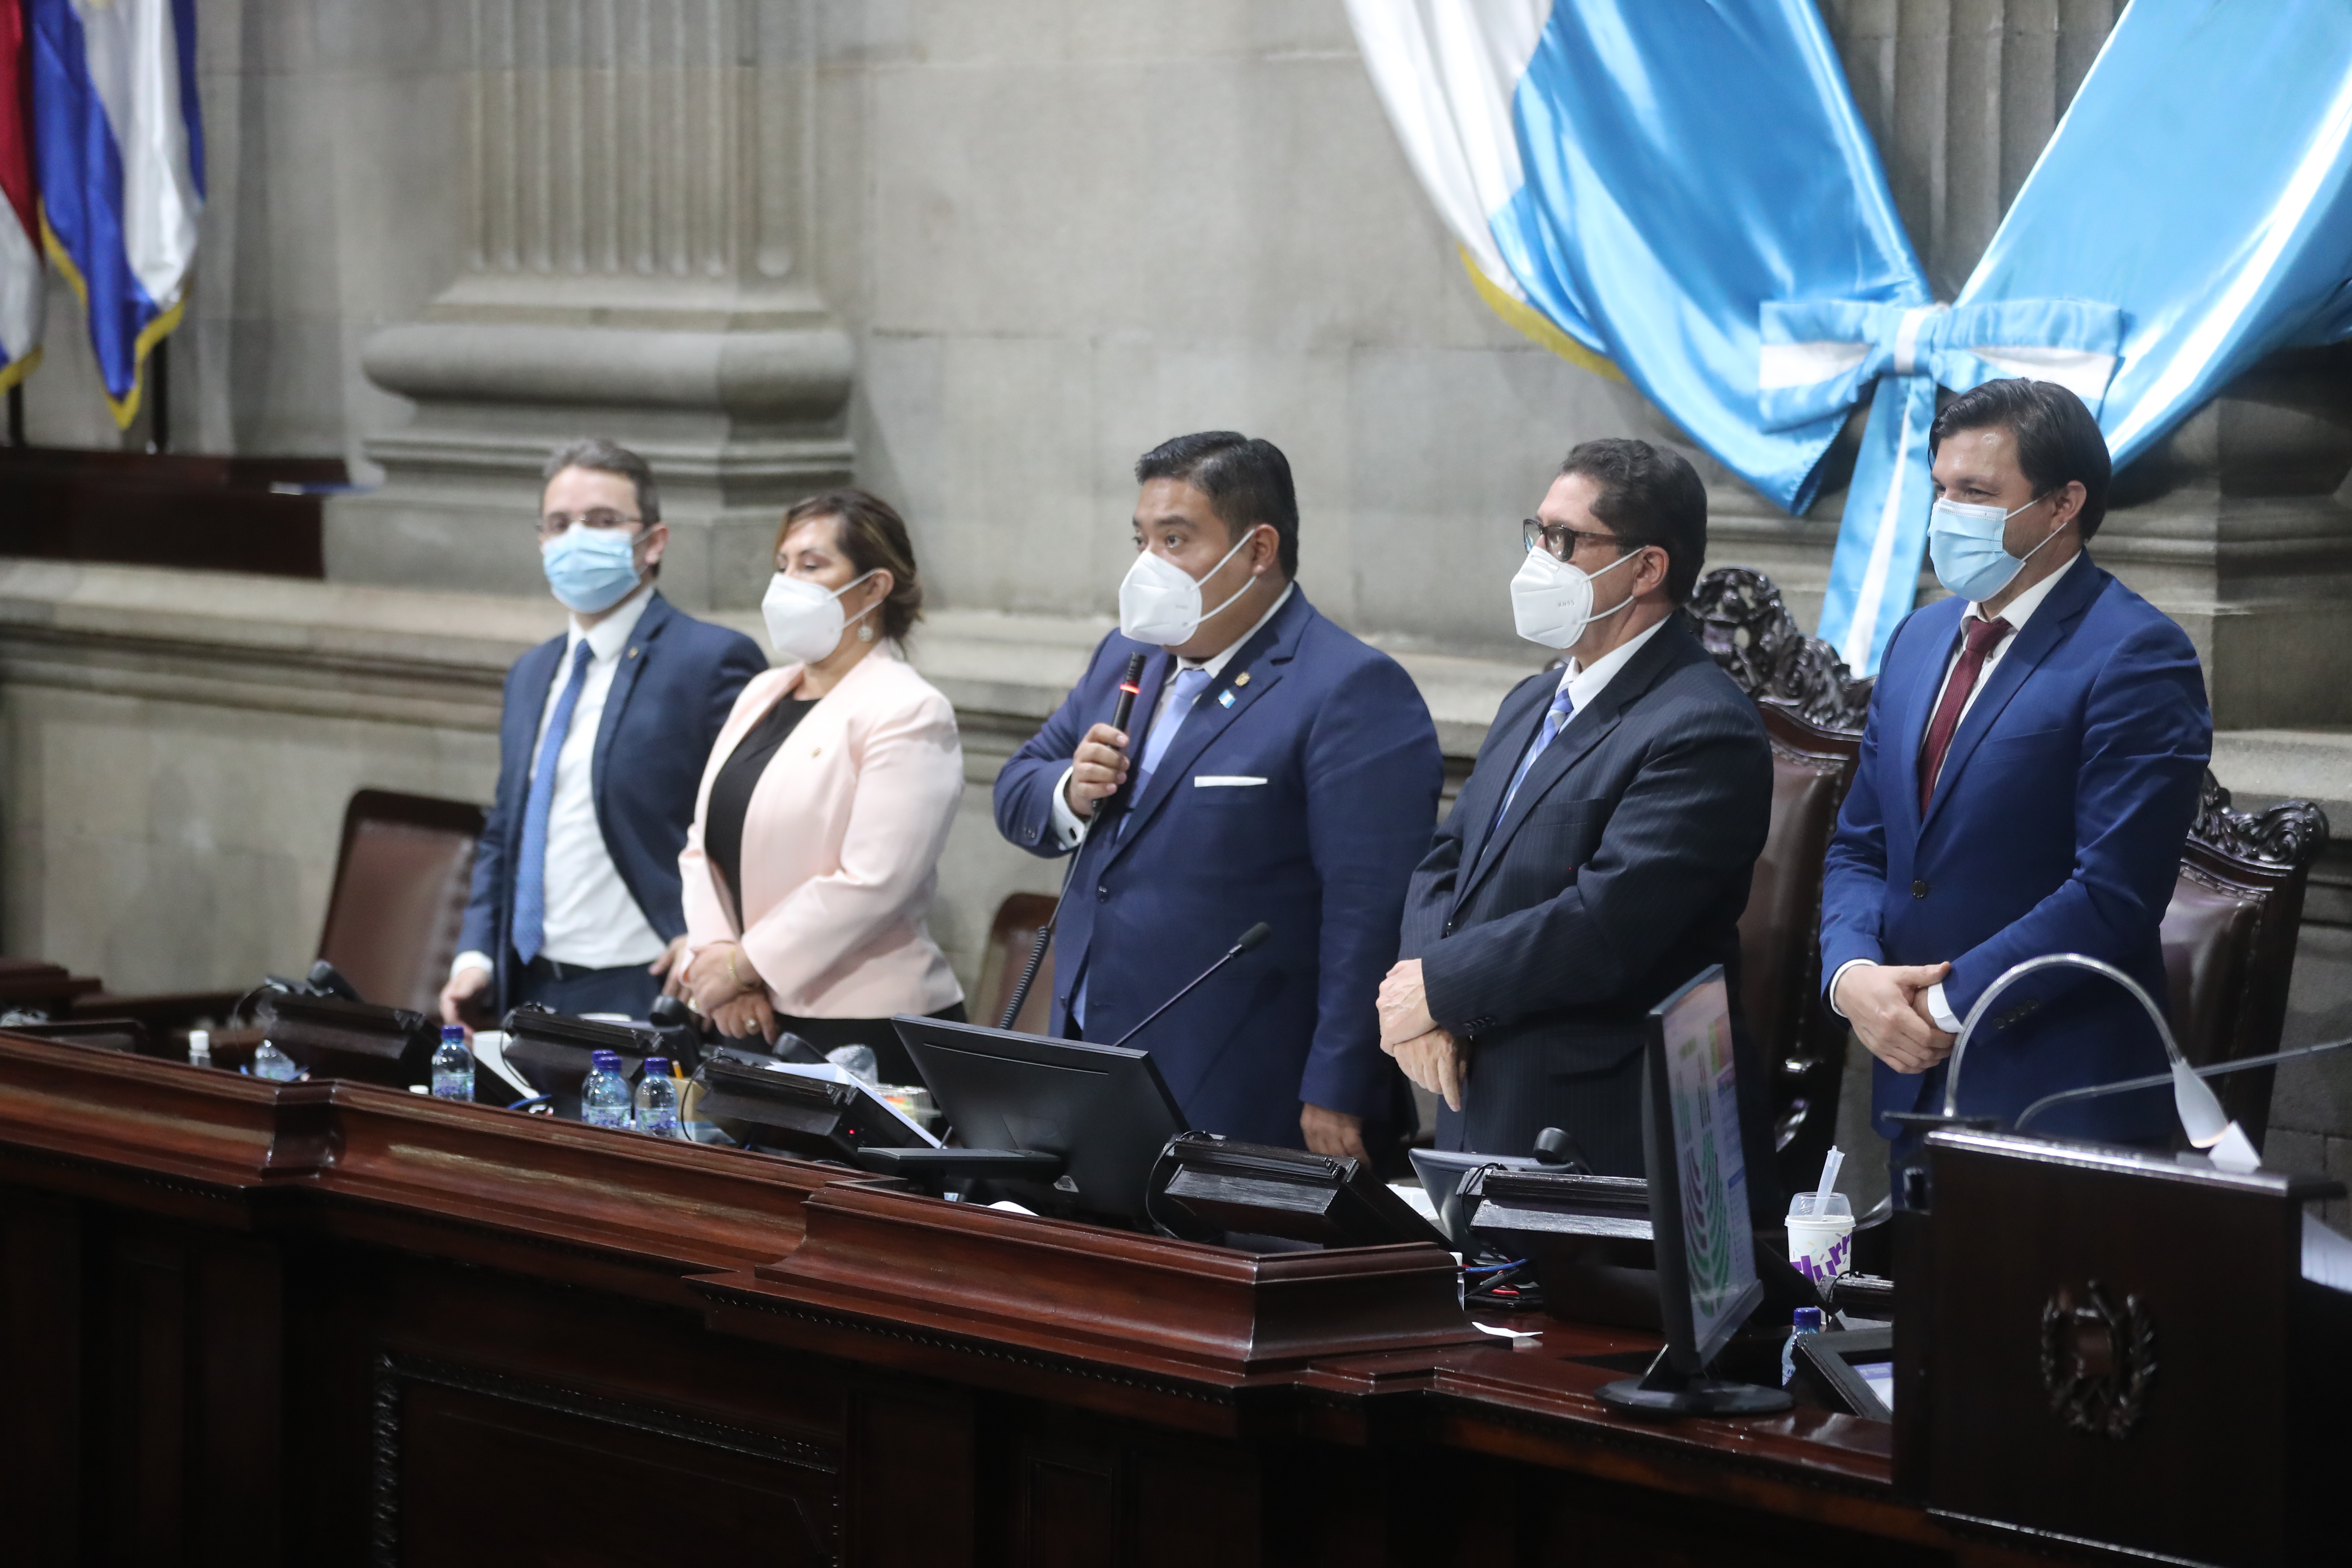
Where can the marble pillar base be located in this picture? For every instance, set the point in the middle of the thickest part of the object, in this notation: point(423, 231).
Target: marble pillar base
point(737, 403)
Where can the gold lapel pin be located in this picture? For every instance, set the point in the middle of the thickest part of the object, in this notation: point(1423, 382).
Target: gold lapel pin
point(1242, 678)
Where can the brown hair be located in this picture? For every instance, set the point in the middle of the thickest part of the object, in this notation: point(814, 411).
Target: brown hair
point(874, 536)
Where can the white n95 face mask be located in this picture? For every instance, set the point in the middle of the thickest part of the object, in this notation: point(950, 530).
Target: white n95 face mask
point(1551, 600)
point(804, 620)
point(1159, 601)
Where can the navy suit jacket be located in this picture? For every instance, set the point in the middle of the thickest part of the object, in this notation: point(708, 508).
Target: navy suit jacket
point(1618, 872)
point(1320, 851)
point(2056, 827)
point(676, 684)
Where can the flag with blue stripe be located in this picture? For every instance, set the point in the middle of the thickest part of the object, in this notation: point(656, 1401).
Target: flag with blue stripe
point(119, 151)
point(1685, 192)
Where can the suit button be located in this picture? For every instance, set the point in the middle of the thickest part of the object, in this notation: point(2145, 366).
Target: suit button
point(1918, 889)
point(1101, 894)
point(1449, 927)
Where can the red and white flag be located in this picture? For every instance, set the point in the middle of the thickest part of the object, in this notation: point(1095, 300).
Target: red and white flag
point(21, 286)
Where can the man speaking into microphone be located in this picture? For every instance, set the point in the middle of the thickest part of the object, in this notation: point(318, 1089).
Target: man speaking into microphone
point(1276, 768)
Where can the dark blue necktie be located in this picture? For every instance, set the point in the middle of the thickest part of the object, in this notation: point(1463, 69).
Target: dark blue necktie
point(530, 871)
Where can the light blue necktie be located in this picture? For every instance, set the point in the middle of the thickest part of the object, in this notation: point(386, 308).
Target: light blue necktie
point(1190, 684)
point(1562, 710)
point(530, 871)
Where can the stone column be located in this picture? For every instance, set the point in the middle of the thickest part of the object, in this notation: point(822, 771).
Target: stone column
point(2232, 526)
point(637, 182)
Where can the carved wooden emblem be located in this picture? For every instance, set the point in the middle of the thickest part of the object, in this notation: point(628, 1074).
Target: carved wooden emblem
point(2096, 1362)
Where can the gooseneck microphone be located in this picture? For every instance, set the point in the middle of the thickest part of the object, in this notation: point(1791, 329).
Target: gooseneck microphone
point(1130, 685)
point(1249, 939)
point(2158, 1080)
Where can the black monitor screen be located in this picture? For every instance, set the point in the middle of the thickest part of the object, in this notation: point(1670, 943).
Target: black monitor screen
point(1699, 1179)
point(1103, 1108)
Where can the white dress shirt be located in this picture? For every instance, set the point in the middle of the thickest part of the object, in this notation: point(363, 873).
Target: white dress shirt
point(2020, 610)
point(592, 920)
point(1068, 825)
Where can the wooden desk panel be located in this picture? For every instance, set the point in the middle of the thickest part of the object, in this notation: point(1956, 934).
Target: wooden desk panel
point(325, 1323)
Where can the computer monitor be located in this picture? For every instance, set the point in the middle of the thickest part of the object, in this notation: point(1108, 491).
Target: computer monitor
point(1092, 1118)
point(1703, 1243)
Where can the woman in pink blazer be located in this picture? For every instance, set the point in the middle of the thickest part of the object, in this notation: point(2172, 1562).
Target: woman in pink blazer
point(814, 851)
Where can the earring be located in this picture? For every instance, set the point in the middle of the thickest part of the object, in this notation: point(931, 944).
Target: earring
point(866, 634)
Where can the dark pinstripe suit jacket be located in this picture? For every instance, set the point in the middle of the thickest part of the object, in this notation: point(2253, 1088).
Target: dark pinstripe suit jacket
point(1618, 872)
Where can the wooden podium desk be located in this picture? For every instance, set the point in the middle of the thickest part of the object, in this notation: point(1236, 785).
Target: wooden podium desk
point(324, 1323)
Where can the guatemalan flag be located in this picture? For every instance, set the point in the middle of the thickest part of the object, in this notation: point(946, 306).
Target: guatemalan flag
point(119, 154)
point(20, 222)
point(1686, 190)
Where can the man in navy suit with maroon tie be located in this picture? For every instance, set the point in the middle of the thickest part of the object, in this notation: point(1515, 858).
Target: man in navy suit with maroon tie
point(2029, 773)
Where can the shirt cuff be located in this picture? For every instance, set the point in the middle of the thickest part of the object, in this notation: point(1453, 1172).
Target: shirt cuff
point(472, 960)
point(1941, 1011)
point(1832, 996)
point(1068, 827)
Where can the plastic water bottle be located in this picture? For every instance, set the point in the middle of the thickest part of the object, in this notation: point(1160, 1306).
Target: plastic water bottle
point(453, 1066)
point(275, 1065)
point(1809, 1321)
point(657, 1101)
point(604, 1097)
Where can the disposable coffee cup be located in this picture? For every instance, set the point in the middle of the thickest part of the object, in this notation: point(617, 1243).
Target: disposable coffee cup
point(1821, 1235)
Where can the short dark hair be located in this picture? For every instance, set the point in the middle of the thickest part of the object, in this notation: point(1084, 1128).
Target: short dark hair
point(601, 455)
point(874, 536)
point(1649, 495)
point(2057, 438)
point(1247, 482)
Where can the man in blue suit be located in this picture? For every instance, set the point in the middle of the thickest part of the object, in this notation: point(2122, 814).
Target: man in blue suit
point(601, 750)
point(2028, 772)
point(1282, 772)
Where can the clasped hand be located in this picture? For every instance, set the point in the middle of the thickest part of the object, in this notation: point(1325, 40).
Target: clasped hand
point(1428, 1055)
point(1887, 1005)
point(723, 984)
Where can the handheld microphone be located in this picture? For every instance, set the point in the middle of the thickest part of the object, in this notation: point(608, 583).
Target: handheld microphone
point(1130, 685)
point(1249, 939)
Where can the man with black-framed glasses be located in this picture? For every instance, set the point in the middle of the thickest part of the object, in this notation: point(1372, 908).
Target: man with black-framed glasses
point(1599, 856)
point(602, 743)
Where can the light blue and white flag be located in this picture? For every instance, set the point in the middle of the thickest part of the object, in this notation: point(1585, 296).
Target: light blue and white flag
point(119, 151)
point(1687, 191)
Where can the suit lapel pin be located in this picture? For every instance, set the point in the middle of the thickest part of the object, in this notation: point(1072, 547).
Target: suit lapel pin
point(1224, 699)
point(1242, 678)
point(633, 653)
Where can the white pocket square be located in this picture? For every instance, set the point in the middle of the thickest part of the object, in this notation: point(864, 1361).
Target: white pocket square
point(1223, 781)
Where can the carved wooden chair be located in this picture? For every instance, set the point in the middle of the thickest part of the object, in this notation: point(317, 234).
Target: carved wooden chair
point(2228, 935)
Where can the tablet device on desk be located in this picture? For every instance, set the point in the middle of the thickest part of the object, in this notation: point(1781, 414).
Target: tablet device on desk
point(1102, 1112)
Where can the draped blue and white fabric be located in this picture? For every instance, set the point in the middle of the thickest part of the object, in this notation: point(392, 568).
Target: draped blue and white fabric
point(1687, 190)
point(119, 151)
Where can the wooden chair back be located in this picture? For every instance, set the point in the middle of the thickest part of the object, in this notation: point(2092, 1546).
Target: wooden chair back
point(402, 882)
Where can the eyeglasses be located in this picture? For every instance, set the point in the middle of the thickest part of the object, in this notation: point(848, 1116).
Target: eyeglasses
point(556, 522)
point(1562, 543)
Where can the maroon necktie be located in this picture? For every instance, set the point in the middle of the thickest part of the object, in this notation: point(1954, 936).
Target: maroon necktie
point(1983, 637)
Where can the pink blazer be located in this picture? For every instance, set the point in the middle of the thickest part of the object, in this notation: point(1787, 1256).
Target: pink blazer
point(841, 845)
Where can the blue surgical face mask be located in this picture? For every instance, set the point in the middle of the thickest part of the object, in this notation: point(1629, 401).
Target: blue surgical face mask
point(1966, 544)
point(590, 569)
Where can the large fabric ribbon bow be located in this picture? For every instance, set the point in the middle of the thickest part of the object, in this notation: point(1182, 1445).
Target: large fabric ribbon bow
point(1818, 355)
